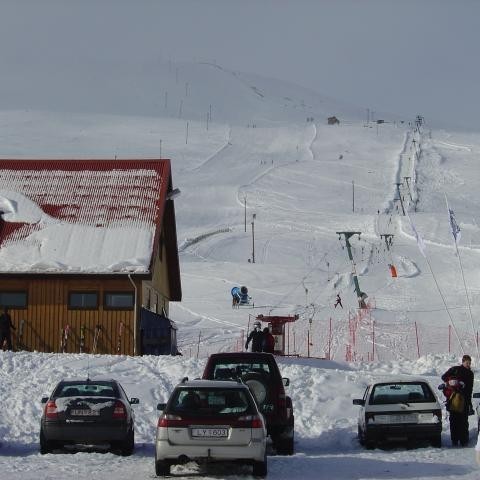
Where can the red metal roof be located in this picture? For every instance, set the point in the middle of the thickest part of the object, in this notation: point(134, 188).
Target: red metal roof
point(96, 193)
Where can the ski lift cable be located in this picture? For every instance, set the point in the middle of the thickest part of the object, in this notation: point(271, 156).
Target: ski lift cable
point(315, 267)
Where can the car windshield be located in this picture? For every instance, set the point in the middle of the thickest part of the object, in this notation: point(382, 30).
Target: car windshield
point(86, 389)
point(226, 370)
point(409, 392)
point(215, 401)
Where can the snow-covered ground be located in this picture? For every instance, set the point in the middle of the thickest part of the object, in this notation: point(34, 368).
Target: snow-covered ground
point(296, 176)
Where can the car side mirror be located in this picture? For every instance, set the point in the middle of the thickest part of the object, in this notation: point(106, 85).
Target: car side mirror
point(359, 401)
point(161, 406)
point(476, 395)
point(44, 399)
point(286, 382)
point(134, 401)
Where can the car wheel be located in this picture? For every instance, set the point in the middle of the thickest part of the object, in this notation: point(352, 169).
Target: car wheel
point(436, 441)
point(260, 468)
point(128, 445)
point(162, 468)
point(45, 445)
point(369, 442)
point(361, 438)
point(285, 447)
point(258, 385)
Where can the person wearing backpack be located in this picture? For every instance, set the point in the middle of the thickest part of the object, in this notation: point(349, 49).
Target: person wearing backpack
point(268, 341)
point(458, 390)
point(6, 326)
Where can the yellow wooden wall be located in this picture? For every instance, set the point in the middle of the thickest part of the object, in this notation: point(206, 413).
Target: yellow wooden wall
point(47, 314)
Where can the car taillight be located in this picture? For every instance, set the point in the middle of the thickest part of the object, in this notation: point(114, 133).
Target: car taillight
point(167, 420)
point(119, 410)
point(252, 421)
point(51, 409)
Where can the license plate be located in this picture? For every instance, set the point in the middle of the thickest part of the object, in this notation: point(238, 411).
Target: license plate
point(210, 432)
point(410, 418)
point(85, 413)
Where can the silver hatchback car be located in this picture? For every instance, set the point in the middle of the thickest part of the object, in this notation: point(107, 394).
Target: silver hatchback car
point(210, 421)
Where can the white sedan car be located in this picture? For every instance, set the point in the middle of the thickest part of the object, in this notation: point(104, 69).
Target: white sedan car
point(405, 410)
point(211, 421)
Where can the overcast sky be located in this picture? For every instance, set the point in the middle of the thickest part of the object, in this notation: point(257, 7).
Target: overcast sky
point(401, 56)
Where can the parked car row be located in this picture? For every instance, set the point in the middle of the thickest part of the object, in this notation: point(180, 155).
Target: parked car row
point(225, 416)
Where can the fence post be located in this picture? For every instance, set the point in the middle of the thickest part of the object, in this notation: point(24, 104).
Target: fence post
point(449, 338)
point(330, 340)
point(198, 345)
point(418, 345)
point(373, 340)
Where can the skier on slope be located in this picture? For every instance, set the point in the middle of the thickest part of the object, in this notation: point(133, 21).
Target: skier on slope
point(338, 301)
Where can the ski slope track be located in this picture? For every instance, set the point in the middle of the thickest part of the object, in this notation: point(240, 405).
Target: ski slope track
point(268, 141)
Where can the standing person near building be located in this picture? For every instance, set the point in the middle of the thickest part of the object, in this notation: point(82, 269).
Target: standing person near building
point(256, 337)
point(5, 326)
point(458, 390)
point(268, 341)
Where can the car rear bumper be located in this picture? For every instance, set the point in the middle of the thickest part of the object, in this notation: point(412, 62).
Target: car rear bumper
point(400, 432)
point(83, 433)
point(165, 450)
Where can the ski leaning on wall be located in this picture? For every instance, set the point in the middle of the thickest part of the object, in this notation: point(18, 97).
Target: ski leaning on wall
point(98, 330)
point(119, 338)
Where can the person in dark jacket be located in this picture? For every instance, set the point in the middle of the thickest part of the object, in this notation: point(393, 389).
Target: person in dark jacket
point(268, 341)
point(459, 420)
point(338, 301)
point(256, 337)
point(5, 326)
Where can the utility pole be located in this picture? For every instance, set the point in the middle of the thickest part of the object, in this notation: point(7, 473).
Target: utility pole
point(400, 197)
point(360, 295)
point(417, 154)
point(353, 196)
point(160, 148)
point(408, 187)
point(245, 211)
point(253, 237)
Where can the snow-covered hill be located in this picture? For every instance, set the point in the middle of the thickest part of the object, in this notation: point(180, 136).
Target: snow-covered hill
point(267, 143)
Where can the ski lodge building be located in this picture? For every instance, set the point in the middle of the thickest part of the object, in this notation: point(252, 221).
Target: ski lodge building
point(88, 255)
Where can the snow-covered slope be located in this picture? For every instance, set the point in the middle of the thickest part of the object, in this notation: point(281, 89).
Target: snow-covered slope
point(296, 176)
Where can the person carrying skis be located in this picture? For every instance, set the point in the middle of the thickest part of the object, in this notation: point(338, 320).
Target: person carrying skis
point(268, 341)
point(256, 337)
point(5, 326)
point(458, 390)
point(338, 301)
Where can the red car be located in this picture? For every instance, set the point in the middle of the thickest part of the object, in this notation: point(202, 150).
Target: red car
point(261, 373)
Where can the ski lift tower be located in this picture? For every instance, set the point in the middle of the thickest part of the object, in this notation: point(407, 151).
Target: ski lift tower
point(278, 329)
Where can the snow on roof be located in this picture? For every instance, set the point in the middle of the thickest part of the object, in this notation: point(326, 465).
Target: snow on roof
point(80, 216)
